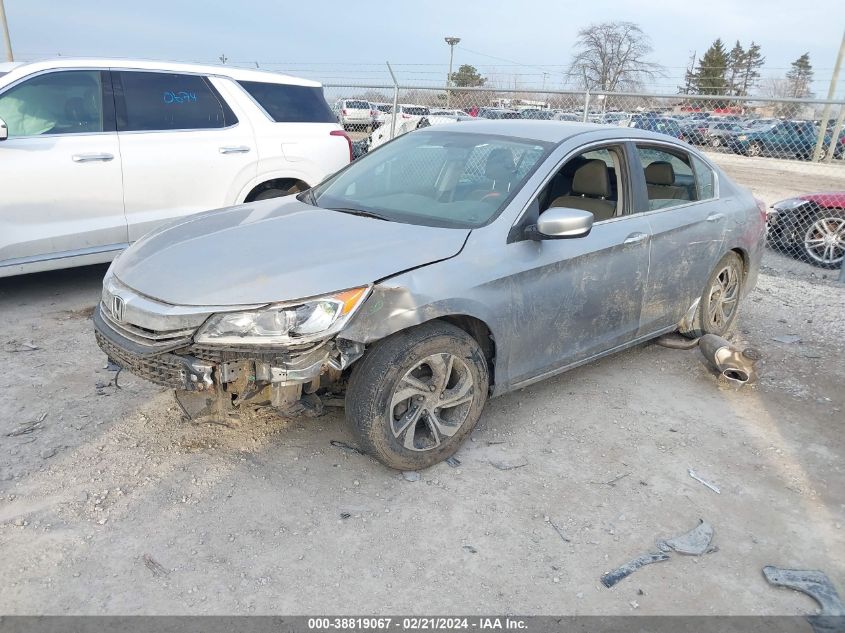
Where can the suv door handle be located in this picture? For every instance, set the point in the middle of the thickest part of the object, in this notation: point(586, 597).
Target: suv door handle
point(715, 217)
point(87, 158)
point(236, 149)
point(636, 238)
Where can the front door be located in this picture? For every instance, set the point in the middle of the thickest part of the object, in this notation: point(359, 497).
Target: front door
point(61, 188)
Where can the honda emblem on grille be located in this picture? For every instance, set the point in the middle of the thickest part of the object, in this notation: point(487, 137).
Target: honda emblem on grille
point(117, 308)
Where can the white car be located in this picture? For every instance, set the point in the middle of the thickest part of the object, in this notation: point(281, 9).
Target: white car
point(354, 113)
point(96, 153)
point(380, 110)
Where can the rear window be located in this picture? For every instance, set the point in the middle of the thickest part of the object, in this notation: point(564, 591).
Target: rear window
point(357, 105)
point(415, 111)
point(384, 108)
point(290, 104)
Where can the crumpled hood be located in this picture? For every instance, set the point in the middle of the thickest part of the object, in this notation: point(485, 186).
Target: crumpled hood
point(275, 250)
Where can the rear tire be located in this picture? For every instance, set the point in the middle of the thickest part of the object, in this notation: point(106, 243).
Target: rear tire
point(821, 238)
point(719, 303)
point(416, 395)
point(755, 149)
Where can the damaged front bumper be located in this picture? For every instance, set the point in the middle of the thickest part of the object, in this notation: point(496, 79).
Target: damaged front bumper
point(263, 376)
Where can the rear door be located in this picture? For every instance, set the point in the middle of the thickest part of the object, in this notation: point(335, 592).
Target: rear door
point(184, 148)
point(688, 223)
point(61, 182)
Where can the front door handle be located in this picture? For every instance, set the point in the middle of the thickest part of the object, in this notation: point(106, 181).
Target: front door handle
point(87, 158)
point(236, 149)
point(636, 238)
point(715, 217)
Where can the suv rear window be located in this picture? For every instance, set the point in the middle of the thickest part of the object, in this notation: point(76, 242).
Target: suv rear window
point(356, 105)
point(290, 104)
point(415, 111)
point(151, 101)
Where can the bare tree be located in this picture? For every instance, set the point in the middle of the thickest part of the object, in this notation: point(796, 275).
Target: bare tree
point(612, 56)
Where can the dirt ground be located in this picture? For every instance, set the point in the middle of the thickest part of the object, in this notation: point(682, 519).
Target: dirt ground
point(110, 504)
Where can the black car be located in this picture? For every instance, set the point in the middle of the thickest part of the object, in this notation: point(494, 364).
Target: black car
point(811, 227)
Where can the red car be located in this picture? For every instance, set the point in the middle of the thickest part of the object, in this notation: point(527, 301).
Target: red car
point(811, 226)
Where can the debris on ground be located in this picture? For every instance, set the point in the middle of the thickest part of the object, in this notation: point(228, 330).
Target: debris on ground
point(470, 549)
point(345, 515)
point(712, 487)
point(346, 447)
point(28, 427)
point(694, 543)
point(612, 482)
point(454, 462)
point(411, 475)
point(736, 367)
point(154, 566)
point(505, 465)
point(787, 338)
point(560, 532)
point(817, 585)
point(620, 573)
point(14, 346)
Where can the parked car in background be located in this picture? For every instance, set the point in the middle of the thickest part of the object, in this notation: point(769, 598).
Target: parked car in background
point(568, 116)
point(498, 113)
point(355, 114)
point(380, 110)
point(652, 123)
point(95, 153)
point(811, 226)
point(539, 115)
point(785, 139)
point(447, 267)
point(718, 130)
point(695, 131)
point(446, 112)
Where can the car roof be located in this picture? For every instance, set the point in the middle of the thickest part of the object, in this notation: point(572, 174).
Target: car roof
point(238, 74)
point(550, 131)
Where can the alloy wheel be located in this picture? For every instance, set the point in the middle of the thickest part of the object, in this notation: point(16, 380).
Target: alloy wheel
point(431, 402)
point(824, 241)
point(724, 296)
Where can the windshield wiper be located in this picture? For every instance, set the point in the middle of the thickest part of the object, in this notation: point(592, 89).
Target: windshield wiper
point(361, 212)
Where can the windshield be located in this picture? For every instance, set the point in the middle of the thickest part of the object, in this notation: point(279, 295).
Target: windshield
point(449, 179)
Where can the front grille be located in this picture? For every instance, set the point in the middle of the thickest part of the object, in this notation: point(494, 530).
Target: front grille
point(169, 339)
point(162, 369)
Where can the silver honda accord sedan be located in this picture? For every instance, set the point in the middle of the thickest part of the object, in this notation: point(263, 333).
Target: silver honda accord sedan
point(455, 263)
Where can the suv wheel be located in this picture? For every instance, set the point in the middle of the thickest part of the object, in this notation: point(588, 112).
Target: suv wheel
point(755, 149)
point(416, 395)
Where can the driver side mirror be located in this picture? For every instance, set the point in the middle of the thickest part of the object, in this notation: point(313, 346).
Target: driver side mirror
point(559, 223)
point(4, 131)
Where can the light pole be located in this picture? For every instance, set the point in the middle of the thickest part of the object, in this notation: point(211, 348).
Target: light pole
point(452, 42)
point(4, 33)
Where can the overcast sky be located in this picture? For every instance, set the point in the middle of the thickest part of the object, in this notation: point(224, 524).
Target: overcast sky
point(329, 41)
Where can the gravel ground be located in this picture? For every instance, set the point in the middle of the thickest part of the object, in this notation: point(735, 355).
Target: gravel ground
point(111, 504)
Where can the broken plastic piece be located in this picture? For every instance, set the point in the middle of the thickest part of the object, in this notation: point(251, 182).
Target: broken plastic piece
point(712, 487)
point(610, 579)
point(817, 585)
point(735, 366)
point(694, 543)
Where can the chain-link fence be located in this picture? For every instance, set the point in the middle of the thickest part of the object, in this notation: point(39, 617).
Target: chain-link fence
point(789, 152)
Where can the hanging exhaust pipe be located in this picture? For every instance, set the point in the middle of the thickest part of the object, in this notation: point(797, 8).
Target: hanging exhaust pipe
point(735, 366)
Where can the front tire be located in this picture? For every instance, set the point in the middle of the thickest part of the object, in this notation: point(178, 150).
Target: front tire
point(719, 303)
point(755, 149)
point(823, 238)
point(416, 395)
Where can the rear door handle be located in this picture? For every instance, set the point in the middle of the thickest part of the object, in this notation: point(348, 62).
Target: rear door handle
point(636, 238)
point(87, 158)
point(236, 149)
point(715, 217)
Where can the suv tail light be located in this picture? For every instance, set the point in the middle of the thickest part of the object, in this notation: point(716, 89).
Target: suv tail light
point(372, 112)
point(343, 111)
point(348, 140)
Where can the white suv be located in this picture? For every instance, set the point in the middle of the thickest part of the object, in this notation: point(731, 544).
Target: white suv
point(96, 153)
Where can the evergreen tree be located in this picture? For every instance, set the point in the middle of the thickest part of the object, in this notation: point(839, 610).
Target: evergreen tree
point(750, 69)
point(736, 58)
point(799, 78)
point(710, 76)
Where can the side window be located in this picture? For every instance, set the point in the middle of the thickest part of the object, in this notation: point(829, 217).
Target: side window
point(591, 181)
point(668, 177)
point(290, 104)
point(62, 102)
point(705, 180)
point(169, 101)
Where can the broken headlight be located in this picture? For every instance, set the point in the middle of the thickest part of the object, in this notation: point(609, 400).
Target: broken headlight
point(283, 324)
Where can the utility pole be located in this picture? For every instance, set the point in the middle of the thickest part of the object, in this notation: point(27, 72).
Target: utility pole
point(831, 93)
point(4, 31)
point(452, 42)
